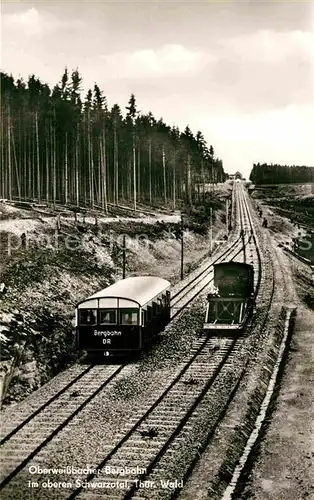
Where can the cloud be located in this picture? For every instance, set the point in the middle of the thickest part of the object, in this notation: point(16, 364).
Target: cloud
point(271, 47)
point(28, 21)
point(256, 71)
point(262, 70)
point(169, 60)
point(32, 23)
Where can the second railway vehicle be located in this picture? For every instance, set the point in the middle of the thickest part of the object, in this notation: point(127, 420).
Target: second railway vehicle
point(123, 317)
point(231, 302)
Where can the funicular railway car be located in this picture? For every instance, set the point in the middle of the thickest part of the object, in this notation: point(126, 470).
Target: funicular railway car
point(231, 302)
point(124, 316)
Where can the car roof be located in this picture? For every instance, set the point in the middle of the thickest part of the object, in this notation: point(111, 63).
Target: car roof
point(233, 264)
point(139, 289)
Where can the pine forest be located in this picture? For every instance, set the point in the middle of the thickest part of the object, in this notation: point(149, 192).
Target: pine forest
point(281, 174)
point(59, 148)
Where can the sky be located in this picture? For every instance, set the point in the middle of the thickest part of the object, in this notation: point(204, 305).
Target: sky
point(242, 72)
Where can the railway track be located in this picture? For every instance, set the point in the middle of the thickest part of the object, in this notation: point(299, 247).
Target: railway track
point(23, 424)
point(39, 427)
point(184, 296)
point(252, 253)
point(156, 431)
point(25, 413)
point(204, 279)
point(265, 288)
point(159, 430)
point(154, 460)
point(205, 360)
point(244, 243)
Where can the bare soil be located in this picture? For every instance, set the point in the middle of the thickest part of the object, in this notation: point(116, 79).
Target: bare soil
point(283, 468)
point(293, 201)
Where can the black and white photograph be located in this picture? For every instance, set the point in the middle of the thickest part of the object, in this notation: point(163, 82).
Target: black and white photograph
point(157, 250)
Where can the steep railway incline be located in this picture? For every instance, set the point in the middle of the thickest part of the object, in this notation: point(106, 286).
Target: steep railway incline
point(241, 247)
point(166, 429)
point(222, 470)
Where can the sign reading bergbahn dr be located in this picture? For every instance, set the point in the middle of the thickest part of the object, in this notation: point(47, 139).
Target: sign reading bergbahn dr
point(96, 338)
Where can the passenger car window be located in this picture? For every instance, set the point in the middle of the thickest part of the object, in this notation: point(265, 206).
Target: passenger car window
point(128, 316)
point(107, 317)
point(144, 315)
point(155, 308)
point(87, 316)
point(149, 313)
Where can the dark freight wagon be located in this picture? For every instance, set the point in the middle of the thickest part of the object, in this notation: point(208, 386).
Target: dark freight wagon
point(231, 302)
point(122, 317)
